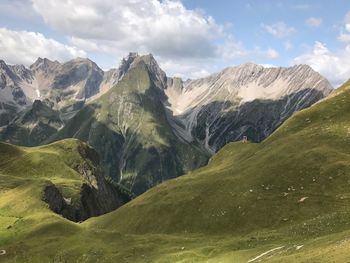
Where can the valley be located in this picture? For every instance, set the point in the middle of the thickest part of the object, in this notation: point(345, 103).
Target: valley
point(174, 131)
point(284, 199)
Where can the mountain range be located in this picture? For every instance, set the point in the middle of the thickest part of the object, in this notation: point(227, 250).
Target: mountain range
point(284, 199)
point(148, 127)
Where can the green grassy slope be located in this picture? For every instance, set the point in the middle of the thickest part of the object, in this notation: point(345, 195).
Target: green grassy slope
point(252, 186)
point(283, 200)
point(29, 230)
point(24, 172)
point(296, 184)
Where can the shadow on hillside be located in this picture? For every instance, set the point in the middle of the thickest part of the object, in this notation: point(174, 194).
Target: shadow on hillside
point(124, 156)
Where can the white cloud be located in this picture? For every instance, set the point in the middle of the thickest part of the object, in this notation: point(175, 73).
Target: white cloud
point(259, 53)
point(344, 38)
point(23, 47)
point(333, 65)
point(268, 65)
point(347, 21)
point(271, 53)
point(279, 29)
point(194, 70)
point(165, 28)
point(17, 9)
point(313, 22)
point(231, 49)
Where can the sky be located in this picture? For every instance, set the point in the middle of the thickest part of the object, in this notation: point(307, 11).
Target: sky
point(189, 38)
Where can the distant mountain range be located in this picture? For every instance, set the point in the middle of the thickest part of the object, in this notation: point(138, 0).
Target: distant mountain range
point(148, 127)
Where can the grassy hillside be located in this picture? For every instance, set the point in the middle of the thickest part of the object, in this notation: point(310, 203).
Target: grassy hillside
point(283, 200)
point(24, 172)
point(308, 156)
point(25, 219)
point(295, 184)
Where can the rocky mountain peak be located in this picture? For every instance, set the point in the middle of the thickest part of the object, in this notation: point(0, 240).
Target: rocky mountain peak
point(156, 73)
point(80, 67)
point(149, 118)
point(302, 67)
point(43, 62)
point(80, 78)
point(7, 75)
point(5, 69)
point(23, 72)
point(250, 66)
point(134, 60)
point(127, 61)
point(85, 61)
point(44, 65)
point(2, 63)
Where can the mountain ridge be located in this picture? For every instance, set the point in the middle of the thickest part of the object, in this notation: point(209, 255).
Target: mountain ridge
point(137, 107)
point(233, 87)
point(282, 200)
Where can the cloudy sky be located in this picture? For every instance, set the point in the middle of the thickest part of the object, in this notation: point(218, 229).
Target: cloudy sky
point(189, 38)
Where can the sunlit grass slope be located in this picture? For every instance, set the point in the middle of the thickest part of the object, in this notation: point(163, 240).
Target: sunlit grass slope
point(283, 200)
point(24, 172)
point(295, 184)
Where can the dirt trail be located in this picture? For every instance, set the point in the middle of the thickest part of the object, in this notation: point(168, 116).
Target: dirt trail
point(264, 254)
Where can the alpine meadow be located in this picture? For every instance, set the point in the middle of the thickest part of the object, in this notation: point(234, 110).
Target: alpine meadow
point(174, 131)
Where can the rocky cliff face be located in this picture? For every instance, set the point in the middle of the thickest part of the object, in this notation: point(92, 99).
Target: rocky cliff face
point(12, 97)
point(97, 195)
point(79, 78)
point(63, 90)
point(33, 125)
point(66, 86)
point(248, 100)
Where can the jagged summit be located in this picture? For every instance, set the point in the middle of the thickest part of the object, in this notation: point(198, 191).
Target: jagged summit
point(198, 107)
point(67, 84)
point(2, 63)
point(249, 65)
point(43, 63)
point(134, 60)
point(146, 126)
point(82, 61)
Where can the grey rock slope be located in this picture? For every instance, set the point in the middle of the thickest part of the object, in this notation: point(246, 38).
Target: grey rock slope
point(248, 100)
point(12, 97)
point(63, 90)
point(66, 86)
point(32, 126)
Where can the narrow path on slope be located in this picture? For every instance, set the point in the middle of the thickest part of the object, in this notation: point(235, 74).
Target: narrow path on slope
point(264, 254)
